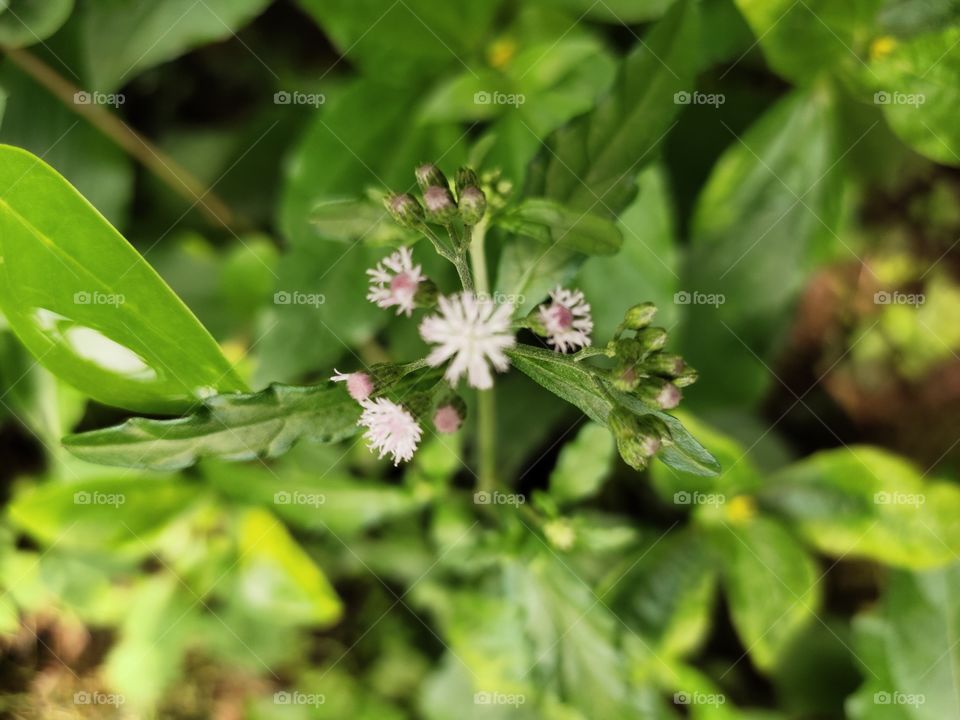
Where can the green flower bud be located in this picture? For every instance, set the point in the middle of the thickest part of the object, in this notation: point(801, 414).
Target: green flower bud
point(687, 377)
point(666, 365)
point(404, 209)
point(652, 339)
point(625, 376)
point(638, 438)
point(465, 178)
point(427, 294)
point(639, 316)
point(429, 175)
point(627, 350)
point(440, 207)
point(665, 395)
point(473, 204)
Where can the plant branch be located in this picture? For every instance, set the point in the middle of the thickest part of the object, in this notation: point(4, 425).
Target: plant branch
point(164, 167)
point(486, 401)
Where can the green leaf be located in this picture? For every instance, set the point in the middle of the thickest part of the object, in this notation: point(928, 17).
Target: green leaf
point(348, 219)
point(803, 39)
point(918, 93)
point(765, 219)
point(26, 22)
point(667, 592)
point(232, 427)
point(574, 382)
point(121, 515)
point(771, 584)
point(910, 649)
point(88, 306)
point(591, 165)
point(277, 577)
point(620, 12)
point(583, 464)
point(121, 38)
point(865, 502)
point(550, 222)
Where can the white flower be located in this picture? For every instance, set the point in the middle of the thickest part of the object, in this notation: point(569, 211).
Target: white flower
point(390, 429)
point(474, 332)
point(567, 320)
point(359, 384)
point(394, 281)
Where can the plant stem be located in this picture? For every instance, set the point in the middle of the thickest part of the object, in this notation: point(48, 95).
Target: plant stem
point(164, 167)
point(486, 402)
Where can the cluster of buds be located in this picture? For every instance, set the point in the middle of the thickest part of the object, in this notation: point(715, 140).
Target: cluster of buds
point(642, 369)
point(440, 205)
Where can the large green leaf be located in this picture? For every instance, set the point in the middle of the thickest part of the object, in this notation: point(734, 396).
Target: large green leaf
point(802, 39)
point(591, 165)
point(232, 427)
point(550, 222)
point(88, 306)
point(575, 383)
point(917, 87)
point(910, 649)
point(865, 502)
point(278, 578)
point(583, 464)
point(121, 38)
point(26, 22)
point(771, 584)
point(116, 514)
point(765, 219)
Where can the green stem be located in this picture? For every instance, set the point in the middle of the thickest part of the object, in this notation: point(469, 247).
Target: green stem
point(486, 401)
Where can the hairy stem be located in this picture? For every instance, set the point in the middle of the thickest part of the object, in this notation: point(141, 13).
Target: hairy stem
point(486, 401)
point(164, 167)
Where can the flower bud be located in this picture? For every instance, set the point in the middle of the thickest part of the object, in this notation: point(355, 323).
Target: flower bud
point(652, 339)
point(639, 316)
point(665, 395)
point(473, 204)
point(666, 365)
point(441, 208)
point(627, 350)
point(465, 178)
point(447, 419)
point(427, 294)
point(429, 175)
point(625, 376)
point(404, 209)
point(638, 437)
point(687, 377)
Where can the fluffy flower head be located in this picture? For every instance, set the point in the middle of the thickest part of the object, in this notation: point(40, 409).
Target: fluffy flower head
point(359, 384)
point(394, 282)
point(567, 320)
point(390, 429)
point(473, 332)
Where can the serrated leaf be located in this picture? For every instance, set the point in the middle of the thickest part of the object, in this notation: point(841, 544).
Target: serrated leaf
point(548, 221)
point(232, 427)
point(574, 382)
point(89, 307)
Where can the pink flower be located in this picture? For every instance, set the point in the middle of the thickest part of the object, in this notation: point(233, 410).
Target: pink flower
point(567, 320)
point(390, 429)
point(359, 384)
point(446, 419)
point(394, 282)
